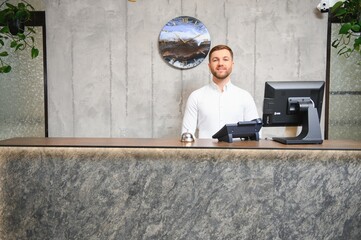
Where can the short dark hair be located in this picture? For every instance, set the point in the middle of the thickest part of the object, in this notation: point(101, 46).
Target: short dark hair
point(219, 47)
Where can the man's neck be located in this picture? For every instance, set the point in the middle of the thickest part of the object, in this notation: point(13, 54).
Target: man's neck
point(221, 83)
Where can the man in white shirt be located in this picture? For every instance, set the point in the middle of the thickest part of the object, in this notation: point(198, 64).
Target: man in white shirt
point(220, 102)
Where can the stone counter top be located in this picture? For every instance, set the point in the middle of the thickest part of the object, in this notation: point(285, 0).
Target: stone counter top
point(93, 191)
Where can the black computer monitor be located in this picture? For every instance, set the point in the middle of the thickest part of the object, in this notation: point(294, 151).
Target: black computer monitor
point(294, 103)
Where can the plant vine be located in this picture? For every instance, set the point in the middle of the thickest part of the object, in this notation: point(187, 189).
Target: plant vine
point(14, 34)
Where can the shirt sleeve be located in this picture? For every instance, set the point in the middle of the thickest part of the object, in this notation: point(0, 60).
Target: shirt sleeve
point(190, 115)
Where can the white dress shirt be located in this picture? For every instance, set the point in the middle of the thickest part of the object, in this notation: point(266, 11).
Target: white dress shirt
point(208, 109)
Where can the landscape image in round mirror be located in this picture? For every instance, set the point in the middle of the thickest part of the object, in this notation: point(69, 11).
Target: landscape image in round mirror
point(184, 42)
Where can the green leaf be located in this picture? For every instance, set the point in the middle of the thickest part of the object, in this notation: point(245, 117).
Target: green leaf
point(355, 28)
point(358, 40)
point(2, 17)
point(340, 12)
point(357, 44)
point(2, 42)
point(10, 6)
point(336, 6)
point(34, 52)
point(21, 5)
point(345, 28)
point(5, 69)
point(19, 46)
point(22, 15)
point(5, 29)
point(13, 44)
point(21, 36)
point(4, 54)
point(10, 13)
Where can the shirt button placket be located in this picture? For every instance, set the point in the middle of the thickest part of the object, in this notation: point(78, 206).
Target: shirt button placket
point(221, 109)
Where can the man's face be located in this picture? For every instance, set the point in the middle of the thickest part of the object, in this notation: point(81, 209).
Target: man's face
point(221, 64)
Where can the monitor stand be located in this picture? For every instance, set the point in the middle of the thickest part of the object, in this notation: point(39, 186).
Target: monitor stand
point(311, 130)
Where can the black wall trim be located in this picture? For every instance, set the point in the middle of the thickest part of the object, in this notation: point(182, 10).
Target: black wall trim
point(37, 19)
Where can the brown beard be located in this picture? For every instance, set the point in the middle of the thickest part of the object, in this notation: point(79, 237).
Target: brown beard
point(221, 77)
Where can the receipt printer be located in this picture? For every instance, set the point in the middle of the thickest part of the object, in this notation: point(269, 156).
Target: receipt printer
point(245, 130)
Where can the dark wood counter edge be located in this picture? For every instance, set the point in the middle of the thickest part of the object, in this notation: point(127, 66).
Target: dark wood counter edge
point(348, 145)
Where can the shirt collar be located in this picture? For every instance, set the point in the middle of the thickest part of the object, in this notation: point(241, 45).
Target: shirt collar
point(226, 87)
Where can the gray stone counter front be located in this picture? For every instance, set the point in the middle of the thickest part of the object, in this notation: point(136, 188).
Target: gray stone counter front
point(179, 193)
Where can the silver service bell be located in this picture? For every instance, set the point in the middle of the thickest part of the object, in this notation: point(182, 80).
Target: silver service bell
point(187, 137)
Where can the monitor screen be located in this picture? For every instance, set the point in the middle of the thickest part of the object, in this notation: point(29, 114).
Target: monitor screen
point(294, 103)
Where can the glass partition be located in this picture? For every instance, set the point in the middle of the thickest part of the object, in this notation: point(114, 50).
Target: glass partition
point(344, 93)
point(22, 92)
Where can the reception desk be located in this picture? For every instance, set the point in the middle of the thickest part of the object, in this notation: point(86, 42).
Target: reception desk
point(100, 188)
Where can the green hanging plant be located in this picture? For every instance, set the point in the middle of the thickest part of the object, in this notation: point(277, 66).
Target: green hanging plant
point(14, 33)
point(348, 14)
